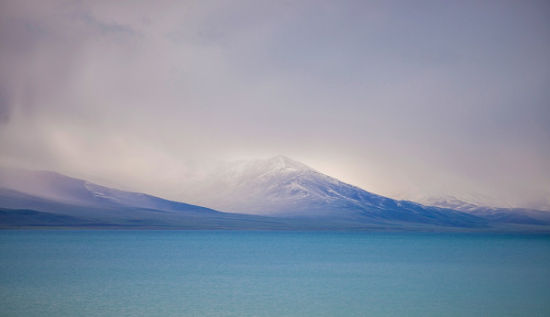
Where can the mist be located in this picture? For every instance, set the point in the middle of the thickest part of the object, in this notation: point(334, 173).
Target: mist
point(408, 100)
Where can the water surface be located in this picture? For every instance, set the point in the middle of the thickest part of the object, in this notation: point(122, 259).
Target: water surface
point(232, 273)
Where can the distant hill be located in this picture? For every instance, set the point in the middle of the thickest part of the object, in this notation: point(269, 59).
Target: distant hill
point(34, 198)
point(495, 214)
point(272, 194)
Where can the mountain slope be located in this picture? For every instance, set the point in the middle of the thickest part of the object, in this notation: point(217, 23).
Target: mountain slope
point(280, 186)
point(52, 187)
point(274, 194)
point(50, 197)
point(495, 214)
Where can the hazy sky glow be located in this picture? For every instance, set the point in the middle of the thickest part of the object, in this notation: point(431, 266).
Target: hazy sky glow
point(403, 98)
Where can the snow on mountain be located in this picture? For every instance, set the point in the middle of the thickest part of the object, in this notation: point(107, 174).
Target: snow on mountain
point(292, 194)
point(275, 186)
point(280, 186)
point(451, 202)
point(494, 214)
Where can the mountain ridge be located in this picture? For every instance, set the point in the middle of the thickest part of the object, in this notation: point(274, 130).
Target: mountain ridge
point(495, 214)
point(288, 194)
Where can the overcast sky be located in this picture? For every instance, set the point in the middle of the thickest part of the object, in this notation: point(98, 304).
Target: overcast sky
point(404, 98)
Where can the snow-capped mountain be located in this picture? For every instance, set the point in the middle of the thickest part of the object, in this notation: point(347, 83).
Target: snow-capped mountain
point(274, 186)
point(280, 186)
point(494, 214)
point(277, 193)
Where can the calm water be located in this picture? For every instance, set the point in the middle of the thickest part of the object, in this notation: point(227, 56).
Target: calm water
point(185, 273)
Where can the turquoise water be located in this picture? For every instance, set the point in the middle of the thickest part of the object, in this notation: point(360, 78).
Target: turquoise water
point(197, 273)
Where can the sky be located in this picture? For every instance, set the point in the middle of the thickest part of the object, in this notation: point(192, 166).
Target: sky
point(409, 99)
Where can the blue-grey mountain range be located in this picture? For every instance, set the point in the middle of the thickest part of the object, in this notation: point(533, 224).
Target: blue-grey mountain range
point(276, 193)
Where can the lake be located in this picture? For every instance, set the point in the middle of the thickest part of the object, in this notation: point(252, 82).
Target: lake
point(240, 273)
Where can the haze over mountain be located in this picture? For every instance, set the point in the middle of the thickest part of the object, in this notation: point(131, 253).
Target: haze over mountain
point(274, 193)
point(294, 195)
point(280, 186)
point(43, 198)
point(71, 191)
point(277, 186)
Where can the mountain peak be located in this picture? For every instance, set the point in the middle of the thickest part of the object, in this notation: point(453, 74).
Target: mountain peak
point(280, 186)
point(279, 162)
